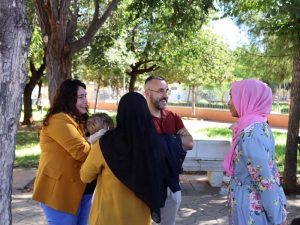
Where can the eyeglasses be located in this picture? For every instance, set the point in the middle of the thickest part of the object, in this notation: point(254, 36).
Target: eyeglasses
point(162, 91)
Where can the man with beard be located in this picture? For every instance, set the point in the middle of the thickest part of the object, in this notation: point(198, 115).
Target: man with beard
point(167, 122)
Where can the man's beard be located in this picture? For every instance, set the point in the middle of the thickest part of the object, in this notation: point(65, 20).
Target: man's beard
point(159, 104)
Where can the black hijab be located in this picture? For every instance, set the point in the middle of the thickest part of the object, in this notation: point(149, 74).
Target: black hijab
point(132, 152)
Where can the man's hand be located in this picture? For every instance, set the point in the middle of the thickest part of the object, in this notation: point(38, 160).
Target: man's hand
point(186, 139)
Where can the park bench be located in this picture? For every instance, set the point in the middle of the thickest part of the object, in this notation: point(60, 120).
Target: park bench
point(208, 155)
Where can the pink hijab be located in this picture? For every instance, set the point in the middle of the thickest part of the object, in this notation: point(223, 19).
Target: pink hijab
point(252, 100)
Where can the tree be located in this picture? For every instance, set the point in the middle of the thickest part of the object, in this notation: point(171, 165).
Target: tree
point(36, 64)
point(14, 43)
point(200, 61)
point(148, 26)
point(101, 63)
point(36, 75)
point(278, 21)
point(59, 21)
point(151, 31)
point(263, 64)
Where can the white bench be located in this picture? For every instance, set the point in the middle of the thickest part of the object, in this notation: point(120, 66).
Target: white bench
point(208, 155)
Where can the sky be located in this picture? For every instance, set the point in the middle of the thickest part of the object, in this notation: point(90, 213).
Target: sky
point(230, 32)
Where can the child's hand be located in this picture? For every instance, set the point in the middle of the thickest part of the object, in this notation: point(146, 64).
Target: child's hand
point(95, 137)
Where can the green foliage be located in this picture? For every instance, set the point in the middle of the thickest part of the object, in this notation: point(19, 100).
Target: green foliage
point(276, 15)
point(284, 110)
point(36, 51)
point(155, 28)
point(178, 17)
point(263, 65)
point(273, 21)
point(201, 60)
point(138, 36)
point(274, 27)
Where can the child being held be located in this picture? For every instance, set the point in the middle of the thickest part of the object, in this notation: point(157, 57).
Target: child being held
point(97, 125)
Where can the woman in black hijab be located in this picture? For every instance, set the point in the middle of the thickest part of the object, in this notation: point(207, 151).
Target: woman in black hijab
point(127, 162)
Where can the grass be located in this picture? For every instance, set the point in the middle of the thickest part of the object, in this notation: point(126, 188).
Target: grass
point(27, 141)
point(27, 147)
point(36, 114)
point(28, 150)
point(27, 161)
point(225, 134)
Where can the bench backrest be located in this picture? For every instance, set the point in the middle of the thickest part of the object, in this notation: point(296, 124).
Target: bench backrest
point(209, 150)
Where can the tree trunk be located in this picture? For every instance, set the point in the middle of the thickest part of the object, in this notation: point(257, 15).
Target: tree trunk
point(58, 21)
point(290, 164)
point(27, 120)
point(188, 96)
point(14, 43)
point(58, 53)
point(96, 99)
point(132, 82)
point(34, 79)
point(193, 100)
point(118, 93)
point(124, 83)
point(59, 64)
point(39, 97)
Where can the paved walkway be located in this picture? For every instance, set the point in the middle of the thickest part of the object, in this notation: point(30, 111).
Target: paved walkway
point(201, 204)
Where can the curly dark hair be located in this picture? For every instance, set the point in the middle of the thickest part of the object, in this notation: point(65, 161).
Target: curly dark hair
point(65, 101)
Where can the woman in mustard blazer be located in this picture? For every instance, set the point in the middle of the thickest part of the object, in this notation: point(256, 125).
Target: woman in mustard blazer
point(58, 187)
point(128, 166)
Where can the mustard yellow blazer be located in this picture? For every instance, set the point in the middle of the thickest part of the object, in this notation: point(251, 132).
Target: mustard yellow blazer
point(113, 203)
point(63, 150)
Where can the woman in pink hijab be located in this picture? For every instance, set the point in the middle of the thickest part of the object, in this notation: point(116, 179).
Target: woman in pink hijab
point(255, 194)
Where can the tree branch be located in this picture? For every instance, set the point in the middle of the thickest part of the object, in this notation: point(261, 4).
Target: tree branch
point(94, 26)
point(72, 25)
point(36, 74)
point(132, 44)
point(141, 62)
point(43, 17)
point(63, 18)
point(135, 67)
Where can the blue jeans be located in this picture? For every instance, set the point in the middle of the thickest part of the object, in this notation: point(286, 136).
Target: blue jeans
point(55, 217)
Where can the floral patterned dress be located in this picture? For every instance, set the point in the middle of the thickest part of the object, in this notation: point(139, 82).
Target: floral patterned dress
point(255, 194)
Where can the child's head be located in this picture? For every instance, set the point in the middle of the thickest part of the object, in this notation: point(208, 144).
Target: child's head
point(99, 121)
